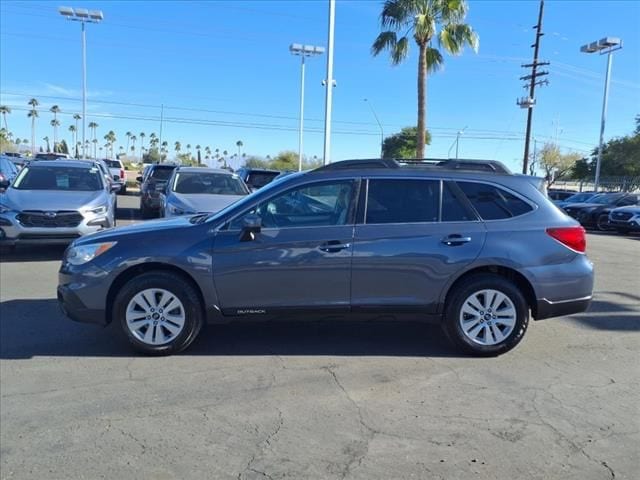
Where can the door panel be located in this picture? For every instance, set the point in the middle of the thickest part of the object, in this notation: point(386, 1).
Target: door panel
point(408, 264)
point(288, 268)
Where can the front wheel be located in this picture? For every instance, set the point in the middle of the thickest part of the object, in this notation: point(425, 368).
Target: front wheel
point(486, 315)
point(160, 313)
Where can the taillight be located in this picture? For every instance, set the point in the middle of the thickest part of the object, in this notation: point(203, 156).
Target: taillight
point(571, 237)
point(122, 173)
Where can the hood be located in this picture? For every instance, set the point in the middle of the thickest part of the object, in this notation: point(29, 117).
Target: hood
point(580, 206)
point(200, 202)
point(53, 199)
point(635, 209)
point(156, 226)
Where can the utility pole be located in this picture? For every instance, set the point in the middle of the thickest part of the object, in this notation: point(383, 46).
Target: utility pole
point(161, 121)
point(530, 101)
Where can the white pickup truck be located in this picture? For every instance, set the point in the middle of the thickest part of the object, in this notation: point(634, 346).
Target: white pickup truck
point(118, 173)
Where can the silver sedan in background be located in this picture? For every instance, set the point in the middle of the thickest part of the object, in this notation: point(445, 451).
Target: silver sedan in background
point(193, 190)
point(55, 202)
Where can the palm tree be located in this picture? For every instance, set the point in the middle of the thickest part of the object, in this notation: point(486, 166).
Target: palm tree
point(33, 114)
point(46, 139)
point(55, 123)
point(55, 110)
point(4, 110)
point(420, 18)
point(189, 150)
point(142, 135)
point(207, 152)
point(95, 147)
point(239, 144)
point(74, 135)
point(110, 137)
point(198, 147)
point(164, 145)
point(93, 127)
point(128, 134)
point(133, 146)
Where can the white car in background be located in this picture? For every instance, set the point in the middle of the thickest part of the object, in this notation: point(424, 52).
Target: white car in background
point(192, 190)
point(118, 174)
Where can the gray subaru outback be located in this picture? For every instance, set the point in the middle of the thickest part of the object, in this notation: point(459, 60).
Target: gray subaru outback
point(465, 244)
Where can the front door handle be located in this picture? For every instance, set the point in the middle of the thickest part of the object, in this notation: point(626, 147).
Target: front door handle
point(333, 246)
point(455, 239)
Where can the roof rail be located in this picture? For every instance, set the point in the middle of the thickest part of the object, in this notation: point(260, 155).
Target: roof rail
point(352, 164)
point(450, 164)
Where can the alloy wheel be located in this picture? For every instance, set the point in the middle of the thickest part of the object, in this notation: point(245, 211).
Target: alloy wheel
point(487, 317)
point(155, 316)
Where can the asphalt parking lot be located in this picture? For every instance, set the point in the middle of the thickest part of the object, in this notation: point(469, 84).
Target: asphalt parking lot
point(320, 400)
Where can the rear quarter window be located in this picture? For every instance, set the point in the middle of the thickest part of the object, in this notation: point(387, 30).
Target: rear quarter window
point(493, 203)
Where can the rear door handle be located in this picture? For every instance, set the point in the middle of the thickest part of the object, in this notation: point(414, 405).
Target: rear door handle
point(334, 246)
point(455, 239)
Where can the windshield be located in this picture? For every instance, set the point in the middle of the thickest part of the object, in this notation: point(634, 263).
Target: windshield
point(113, 163)
point(249, 198)
point(260, 179)
point(161, 174)
point(605, 199)
point(59, 178)
point(208, 183)
point(579, 197)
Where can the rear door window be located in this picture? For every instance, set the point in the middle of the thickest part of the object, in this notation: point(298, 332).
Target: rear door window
point(493, 203)
point(455, 209)
point(402, 201)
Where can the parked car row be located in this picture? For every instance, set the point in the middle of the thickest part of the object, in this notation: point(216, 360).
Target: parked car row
point(605, 211)
point(169, 190)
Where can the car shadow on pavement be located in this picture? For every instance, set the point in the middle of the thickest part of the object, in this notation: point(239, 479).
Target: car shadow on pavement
point(43, 253)
point(606, 315)
point(36, 327)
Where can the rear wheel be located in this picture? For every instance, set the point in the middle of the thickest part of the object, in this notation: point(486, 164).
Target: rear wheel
point(603, 223)
point(486, 315)
point(160, 313)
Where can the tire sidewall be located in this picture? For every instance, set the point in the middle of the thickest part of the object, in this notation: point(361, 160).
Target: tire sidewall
point(178, 287)
point(466, 289)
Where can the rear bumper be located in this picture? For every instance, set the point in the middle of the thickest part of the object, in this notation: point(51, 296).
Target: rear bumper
point(548, 309)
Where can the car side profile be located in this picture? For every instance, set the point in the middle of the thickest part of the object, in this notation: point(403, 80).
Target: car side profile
point(446, 242)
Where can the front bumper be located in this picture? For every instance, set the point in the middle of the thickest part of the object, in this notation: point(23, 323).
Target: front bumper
point(12, 232)
point(82, 292)
point(631, 225)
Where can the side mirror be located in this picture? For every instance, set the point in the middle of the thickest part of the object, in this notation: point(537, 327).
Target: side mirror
point(4, 183)
point(251, 224)
point(139, 179)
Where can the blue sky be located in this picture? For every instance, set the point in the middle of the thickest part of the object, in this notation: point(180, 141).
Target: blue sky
point(223, 71)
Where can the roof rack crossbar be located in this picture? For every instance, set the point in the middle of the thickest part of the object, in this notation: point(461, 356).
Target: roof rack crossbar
point(450, 164)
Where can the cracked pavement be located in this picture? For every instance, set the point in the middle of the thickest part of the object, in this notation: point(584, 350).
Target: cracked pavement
point(351, 400)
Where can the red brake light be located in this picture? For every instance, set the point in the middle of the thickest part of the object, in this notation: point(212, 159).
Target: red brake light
point(572, 237)
point(122, 173)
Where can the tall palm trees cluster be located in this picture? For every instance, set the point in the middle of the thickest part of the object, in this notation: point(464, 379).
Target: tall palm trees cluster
point(133, 148)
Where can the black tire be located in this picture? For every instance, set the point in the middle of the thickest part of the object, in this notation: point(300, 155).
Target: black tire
point(456, 300)
point(175, 285)
point(145, 212)
point(603, 223)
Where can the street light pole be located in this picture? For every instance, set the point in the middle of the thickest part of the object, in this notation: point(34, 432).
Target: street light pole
point(83, 16)
point(379, 125)
point(303, 51)
point(607, 45)
point(329, 84)
point(603, 119)
point(84, 90)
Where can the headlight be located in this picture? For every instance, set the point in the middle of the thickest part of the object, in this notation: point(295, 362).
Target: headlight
point(177, 210)
point(101, 210)
point(79, 255)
